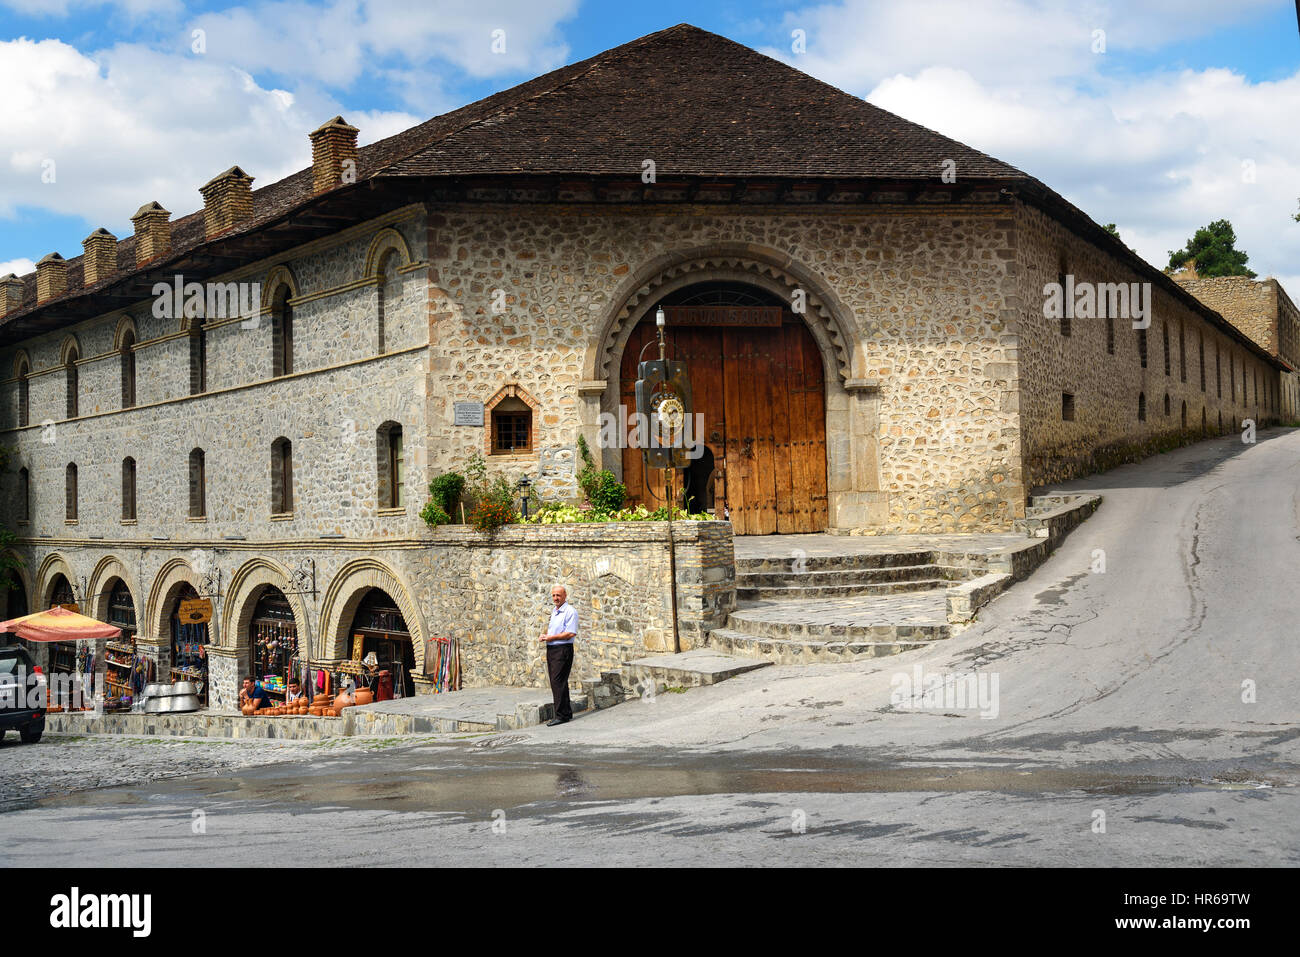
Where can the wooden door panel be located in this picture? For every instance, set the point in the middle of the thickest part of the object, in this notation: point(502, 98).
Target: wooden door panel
point(762, 395)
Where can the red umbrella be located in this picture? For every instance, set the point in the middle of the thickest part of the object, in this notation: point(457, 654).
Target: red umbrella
point(58, 624)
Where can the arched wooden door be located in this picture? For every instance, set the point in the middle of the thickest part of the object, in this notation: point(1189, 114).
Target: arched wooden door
point(762, 392)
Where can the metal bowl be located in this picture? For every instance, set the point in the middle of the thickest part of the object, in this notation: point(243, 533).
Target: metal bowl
point(184, 687)
point(156, 689)
point(154, 705)
point(180, 703)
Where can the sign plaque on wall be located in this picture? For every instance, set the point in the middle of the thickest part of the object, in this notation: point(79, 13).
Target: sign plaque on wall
point(195, 611)
point(469, 413)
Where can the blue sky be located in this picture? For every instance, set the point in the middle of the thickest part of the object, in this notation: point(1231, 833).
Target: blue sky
point(1189, 112)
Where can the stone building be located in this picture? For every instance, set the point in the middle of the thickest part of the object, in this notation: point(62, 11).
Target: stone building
point(1262, 310)
point(862, 301)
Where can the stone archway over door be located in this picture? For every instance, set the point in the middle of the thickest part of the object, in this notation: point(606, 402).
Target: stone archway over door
point(762, 392)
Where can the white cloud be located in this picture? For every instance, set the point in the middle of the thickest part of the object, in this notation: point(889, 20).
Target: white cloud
point(334, 43)
point(136, 9)
point(19, 267)
point(1160, 154)
point(123, 138)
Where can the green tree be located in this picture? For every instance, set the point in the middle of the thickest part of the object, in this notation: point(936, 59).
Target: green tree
point(1112, 229)
point(1214, 251)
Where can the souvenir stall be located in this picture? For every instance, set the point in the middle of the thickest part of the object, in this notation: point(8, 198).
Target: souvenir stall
point(189, 623)
point(119, 654)
point(273, 641)
point(381, 642)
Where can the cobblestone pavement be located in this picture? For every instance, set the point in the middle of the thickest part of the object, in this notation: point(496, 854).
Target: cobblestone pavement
point(61, 764)
point(910, 608)
point(830, 546)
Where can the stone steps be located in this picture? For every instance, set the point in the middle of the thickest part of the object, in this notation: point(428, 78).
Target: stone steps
point(847, 575)
point(794, 564)
point(794, 652)
point(915, 617)
point(799, 590)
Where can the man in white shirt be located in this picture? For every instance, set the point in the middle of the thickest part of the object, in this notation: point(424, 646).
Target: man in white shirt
point(559, 653)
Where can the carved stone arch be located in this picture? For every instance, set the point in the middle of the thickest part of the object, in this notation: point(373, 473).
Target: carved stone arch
point(833, 326)
point(22, 361)
point(280, 275)
point(108, 568)
point(344, 596)
point(53, 564)
point(69, 345)
point(173, 574)
point(124, 325)
point(386, 239)
point(246, 588)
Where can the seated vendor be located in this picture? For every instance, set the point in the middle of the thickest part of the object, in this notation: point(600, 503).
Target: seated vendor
point(254, 694)
point(295, 692)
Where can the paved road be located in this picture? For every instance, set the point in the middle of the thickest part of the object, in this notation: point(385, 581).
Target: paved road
point(1157, 697)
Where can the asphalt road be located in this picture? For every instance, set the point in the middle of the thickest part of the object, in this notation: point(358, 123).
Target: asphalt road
point(1145, 714)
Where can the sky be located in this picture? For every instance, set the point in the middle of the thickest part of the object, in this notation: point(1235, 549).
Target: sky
point(1157, 115)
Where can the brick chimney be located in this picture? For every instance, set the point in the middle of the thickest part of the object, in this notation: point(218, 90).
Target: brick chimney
point(227, 201)
point(153, 232)
point(332, 145)
point(51, 277)
point(11, 294)
point(100, 260)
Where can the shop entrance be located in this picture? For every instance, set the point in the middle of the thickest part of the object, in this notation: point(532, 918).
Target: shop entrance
point(378, 628)
point(119, 653)
point(273, 643)
point(189, 643)
point(758, 380)
point(63, 654)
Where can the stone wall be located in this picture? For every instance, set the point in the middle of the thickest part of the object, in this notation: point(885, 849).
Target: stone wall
point(1108, 387)
point(493, 593)
point(907, 307)
point(1249, 305)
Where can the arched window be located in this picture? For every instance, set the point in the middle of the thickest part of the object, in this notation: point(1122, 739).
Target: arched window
point(1184, 415)
point(390, 293)
point(1167, 410)
point(391, 465)
point(281, 476)
point(1110, 333)
point(281, 333)
point(70, 493)
point(128, 489)
point(70, 377)
point(198, 485)
point(512, 427)
point(24, 392)
point(24, 495)
point(198, 357)
point(1218, 372)
point(127, 353)
point(1142, 347)
point(1142, 406)
point(1204, 421)
point(1166, 327)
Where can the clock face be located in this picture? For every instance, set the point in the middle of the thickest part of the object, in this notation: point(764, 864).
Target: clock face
point(668, 407)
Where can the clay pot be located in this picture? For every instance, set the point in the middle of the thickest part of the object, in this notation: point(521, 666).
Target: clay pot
point(322, 699)
point(247, 709)
point(343, 701)
point(364, 696)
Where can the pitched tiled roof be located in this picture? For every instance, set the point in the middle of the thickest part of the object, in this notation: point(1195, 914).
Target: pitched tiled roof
point(698, 104)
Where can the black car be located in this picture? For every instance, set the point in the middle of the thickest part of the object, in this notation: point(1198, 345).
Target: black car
point(21, 686)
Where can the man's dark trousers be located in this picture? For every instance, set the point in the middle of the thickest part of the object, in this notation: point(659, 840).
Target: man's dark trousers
point(559, 662)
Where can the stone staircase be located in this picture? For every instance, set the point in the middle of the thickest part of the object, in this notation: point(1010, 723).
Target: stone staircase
point(819, 602)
